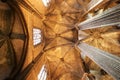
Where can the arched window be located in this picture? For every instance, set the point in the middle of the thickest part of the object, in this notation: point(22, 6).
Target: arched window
point(42, 74)
point(36, 36)
point(46, 2)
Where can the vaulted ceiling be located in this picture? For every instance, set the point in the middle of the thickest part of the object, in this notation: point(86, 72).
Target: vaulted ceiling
point(63, 25)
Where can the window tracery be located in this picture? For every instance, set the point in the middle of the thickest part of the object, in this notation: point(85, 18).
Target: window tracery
point(36, 36)
point(42, 74)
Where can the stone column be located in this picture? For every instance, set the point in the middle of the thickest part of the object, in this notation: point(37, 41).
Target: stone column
point(108, 62)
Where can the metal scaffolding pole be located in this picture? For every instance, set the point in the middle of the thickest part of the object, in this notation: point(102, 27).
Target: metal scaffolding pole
point(108, 62)
point(94, 3)
point(107, 18)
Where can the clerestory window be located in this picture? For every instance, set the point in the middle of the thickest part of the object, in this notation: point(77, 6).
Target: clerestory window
point(46, 2)
point(42, 74)
point(36, 36)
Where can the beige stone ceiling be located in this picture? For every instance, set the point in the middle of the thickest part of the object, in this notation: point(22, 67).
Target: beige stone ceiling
point(61, 56)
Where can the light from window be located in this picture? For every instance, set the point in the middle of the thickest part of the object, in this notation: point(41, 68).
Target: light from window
point(46, 2)
point(36, 36)
point(42, 74)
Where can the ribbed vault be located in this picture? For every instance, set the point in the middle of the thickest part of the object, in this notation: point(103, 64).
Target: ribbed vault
point(69, 30)
point(61, 35)
point(13, 40)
